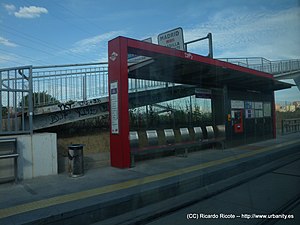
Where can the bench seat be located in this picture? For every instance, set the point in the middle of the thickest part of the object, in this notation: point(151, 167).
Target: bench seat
point(212, 137)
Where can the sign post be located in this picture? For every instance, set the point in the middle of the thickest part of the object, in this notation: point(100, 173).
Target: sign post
point(118, 95)
point(172, 39)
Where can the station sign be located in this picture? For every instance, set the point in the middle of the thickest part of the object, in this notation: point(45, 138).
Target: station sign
point(237, 104)
point(202, 93)
point(172, 39)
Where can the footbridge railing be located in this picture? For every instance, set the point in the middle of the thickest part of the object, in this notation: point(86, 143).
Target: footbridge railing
point(77, 82)
point(82, 82)
point(34, 91)
point(264, 65)
point(290, 125)
point(15, 105)
point(52, 85)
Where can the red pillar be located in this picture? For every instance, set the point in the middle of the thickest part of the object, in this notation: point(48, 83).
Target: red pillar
point(274, 115)
point(118, 101)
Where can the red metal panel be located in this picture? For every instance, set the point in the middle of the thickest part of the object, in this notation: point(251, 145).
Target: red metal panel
point(118, 71)
point(149, 48)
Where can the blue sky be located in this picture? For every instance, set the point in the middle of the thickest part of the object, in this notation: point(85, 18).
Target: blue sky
point(43, 32)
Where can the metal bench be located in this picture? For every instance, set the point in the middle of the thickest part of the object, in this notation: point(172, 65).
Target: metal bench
point(152, 142)
point(198, 134)
point(152, 146)
point(221, 135)
point(210, 134)
point(152, 137)
point(221, 131)
point(184, 135)
point(8, 154)
point(170, 144)
point(185, 139)
point(134, 139)
point(215, 135)
point(169, 136)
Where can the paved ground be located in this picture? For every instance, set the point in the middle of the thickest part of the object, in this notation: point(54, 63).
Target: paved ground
point(59, 196)
point(267, 195)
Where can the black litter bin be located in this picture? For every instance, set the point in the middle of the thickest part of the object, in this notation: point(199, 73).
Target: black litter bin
point(75, 154)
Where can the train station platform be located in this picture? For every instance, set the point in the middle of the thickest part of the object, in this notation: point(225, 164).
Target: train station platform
point(121, 196)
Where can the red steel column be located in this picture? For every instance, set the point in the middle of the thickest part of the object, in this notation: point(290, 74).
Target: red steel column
point(274, 115)
point(118, 101)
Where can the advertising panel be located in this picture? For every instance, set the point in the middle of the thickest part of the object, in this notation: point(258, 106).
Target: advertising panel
point(237, 104)
point(114, 108)
point(267, 109)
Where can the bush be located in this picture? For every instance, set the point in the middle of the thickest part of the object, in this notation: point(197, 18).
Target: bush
point(39, 98)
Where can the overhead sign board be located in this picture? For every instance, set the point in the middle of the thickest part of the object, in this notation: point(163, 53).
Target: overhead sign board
point(172, 39)
point(202, 93)
point(237, 104)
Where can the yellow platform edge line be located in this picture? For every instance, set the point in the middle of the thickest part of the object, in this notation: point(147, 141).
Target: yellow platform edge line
point(22, 208)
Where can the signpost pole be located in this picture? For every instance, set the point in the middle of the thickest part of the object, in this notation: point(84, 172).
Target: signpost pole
point(210, 45)
point(209, 36)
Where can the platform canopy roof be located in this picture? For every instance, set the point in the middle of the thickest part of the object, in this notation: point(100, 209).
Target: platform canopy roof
point(171, 65)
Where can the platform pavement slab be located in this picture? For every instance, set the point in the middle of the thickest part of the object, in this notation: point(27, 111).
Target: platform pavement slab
point(264, 195)
point(12, 195)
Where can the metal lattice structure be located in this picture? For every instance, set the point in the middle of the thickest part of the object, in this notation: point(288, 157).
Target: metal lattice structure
point(82, 82)
point(24, 89)
point(264, 65)
point(16, 100)
point(77, 82)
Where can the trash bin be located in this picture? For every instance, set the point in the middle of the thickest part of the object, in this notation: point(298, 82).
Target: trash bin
point(75, 154)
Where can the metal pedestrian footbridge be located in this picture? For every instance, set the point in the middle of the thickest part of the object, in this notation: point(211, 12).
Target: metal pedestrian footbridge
point(281, 69)
point(66, 93)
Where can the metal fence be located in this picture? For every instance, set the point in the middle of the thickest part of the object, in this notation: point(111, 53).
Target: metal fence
point(81, 82)
point(264, 65)
point(16, 100)
point(290, 125)
point(64, 83)
point(23, 88)
point(77, 82)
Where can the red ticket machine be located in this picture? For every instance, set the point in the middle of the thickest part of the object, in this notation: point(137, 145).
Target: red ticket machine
point(237, 120)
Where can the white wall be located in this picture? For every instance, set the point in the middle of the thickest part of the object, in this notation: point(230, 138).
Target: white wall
point(37, 155)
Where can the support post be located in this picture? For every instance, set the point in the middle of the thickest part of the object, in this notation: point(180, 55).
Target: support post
point(274, 115)
point(209, 36)
point(227, 120)
point(30, 101)
point(118, 100)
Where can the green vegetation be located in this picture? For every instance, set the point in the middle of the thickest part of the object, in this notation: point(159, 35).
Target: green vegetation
point(288, 115)
point(39, 98)
point(169, 118)
point(4, 112)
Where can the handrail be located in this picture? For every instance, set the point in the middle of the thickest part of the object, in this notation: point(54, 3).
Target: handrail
point(264, 65)
point(81, 82)
point(8, 156)
point(78, 82)
point(12, 154)
point(290, 125)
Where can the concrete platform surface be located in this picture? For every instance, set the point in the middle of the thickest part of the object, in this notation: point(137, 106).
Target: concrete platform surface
point(108, 192)
point(249, 203)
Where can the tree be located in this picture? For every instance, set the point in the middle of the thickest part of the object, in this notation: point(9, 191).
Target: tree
point(4, 112)
point(39, 98)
